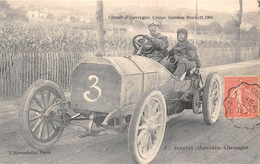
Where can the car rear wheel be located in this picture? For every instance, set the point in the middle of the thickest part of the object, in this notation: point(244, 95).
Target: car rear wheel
point(147, 127)
point(211, 98)
point(41, 114)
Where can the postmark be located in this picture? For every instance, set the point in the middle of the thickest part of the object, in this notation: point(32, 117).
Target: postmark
point(241, 96)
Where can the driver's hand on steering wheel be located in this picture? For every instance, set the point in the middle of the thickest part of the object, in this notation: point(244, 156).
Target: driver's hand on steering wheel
point(155, 42)
point(148, 37)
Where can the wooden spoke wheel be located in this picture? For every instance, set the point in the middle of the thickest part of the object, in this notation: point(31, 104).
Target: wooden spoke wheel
point(211, 98)
point(41, 114)
point(147, 127)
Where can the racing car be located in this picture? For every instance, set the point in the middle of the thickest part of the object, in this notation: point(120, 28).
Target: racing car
point(117, 92)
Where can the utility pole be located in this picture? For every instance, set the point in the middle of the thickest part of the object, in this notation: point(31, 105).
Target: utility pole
point(100, 29)
point(238, 24)
point(240, 13)
point(196, 22)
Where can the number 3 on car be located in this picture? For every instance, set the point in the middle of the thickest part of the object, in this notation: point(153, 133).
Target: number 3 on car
point(94, 85)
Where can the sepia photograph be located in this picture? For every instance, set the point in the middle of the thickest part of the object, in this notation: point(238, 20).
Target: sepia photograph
point(129, 81)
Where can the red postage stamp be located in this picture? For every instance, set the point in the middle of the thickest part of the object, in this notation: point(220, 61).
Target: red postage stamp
point(241, 96)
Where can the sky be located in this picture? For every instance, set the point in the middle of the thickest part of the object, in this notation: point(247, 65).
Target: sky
point(229, 6)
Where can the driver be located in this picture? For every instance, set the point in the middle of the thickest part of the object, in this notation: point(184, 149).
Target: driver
point(160, 43)
point(185, 54)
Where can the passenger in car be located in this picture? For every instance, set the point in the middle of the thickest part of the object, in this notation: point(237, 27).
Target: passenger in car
point(183, 56)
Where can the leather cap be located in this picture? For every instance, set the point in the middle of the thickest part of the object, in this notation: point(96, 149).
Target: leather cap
point(153, 24)
point(182, 30)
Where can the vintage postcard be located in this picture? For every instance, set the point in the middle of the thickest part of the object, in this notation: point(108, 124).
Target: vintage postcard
point(120, 81)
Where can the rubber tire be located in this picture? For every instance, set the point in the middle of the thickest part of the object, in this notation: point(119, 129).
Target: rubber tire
point(23, 114)
point(206, 93)
point(133, 127)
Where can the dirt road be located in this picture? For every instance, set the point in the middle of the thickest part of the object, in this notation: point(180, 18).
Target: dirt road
point(187, 139)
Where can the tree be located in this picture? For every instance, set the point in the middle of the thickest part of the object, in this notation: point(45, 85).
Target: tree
point(74, 19)
point(190, 26)
point(253, 33)
point(229, 27)
point(7, 13)
point(201, 29)
point(50, 16)
point(215, 27)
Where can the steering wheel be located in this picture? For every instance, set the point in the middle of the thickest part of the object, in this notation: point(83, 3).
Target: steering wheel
point(143, 44)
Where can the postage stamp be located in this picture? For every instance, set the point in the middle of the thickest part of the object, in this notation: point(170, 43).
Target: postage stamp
point(241, 96)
